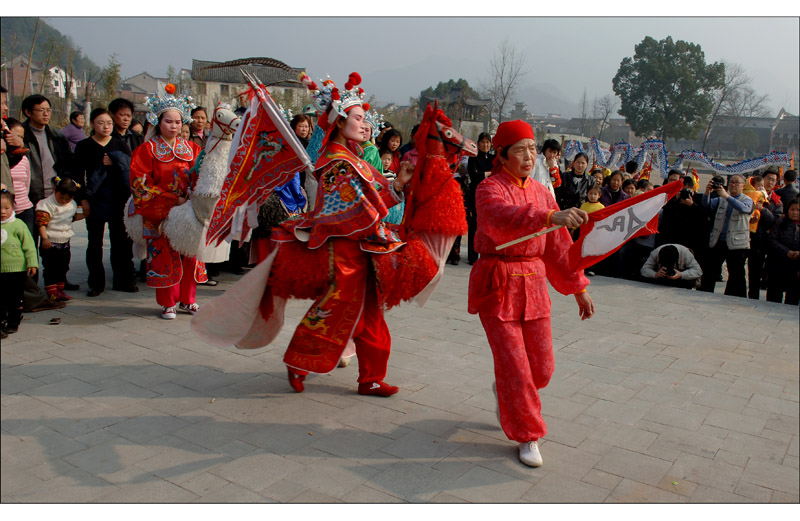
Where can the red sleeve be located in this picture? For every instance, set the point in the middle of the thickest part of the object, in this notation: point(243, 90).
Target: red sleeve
point(504, 218)
point(556, 261)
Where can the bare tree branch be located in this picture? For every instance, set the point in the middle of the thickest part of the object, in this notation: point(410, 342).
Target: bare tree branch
point(506, 70)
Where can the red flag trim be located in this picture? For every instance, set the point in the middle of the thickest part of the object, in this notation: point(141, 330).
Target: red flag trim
point(263, 161)
point(608, 229)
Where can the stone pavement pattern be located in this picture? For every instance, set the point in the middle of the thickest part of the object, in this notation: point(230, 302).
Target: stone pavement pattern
point(664, 396)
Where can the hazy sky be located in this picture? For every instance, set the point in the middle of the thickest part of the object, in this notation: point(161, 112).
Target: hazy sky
point(401, 56)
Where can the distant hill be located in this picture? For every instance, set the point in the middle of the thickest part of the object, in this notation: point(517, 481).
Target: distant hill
point(16, 34)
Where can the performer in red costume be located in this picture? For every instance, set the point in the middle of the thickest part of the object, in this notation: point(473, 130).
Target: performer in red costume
point(161, 180)
point(352, 198)
point(507, 288)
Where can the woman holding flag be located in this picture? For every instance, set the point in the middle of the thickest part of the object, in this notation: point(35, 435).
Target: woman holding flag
point(352, 199)
point(507, 289)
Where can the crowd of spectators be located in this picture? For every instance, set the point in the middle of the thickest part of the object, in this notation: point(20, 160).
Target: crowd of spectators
point(747, 223)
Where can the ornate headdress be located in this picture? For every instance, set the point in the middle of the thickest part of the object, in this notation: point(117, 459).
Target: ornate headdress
point(331, 102)
point(160, 104)
point(375, 121)
point(287, 113)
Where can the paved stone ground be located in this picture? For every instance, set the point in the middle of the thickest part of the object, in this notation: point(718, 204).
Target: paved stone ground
point(664, 396)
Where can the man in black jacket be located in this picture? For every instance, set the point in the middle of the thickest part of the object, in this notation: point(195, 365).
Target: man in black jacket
point(789, 191)
point(121, 111)
point(50, 154)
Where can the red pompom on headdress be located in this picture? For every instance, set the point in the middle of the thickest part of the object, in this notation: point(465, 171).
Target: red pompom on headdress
point(335, 94)
point(365, 106)
point(354, 78)
point(169, 88)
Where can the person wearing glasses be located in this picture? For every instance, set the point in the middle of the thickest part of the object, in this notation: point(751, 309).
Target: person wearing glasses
point(730, 234)
point(50, 154)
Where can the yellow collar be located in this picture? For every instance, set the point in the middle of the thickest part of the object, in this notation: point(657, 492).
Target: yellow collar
point(517, 181)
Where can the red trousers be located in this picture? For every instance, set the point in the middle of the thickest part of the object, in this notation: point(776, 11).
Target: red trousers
point(184, 291)
point(523, 364)
point(349, 309)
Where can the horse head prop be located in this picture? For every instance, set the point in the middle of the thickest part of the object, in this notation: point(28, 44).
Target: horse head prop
point(435, 203)
point(224, 122)
point(437, 137)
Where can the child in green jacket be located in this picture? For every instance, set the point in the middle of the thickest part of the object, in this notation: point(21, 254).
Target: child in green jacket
point(18, 260)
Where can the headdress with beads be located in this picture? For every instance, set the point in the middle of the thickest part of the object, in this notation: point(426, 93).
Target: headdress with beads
point(375, 121)
point(157, 105)
point(331, 102)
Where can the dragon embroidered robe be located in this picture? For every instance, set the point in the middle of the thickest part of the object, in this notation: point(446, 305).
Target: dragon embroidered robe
point(160, 175)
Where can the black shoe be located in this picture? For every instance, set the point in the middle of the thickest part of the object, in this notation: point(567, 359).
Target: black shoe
point(12, 329)
point(48, 305)
point(210, 282)
point(94, 293)
point(70, 286)
point(3, 334)
point(127, 288)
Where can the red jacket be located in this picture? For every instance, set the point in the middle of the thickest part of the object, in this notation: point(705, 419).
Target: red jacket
point(510, 283)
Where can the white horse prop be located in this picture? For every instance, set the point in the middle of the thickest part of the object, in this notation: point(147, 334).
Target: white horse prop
point(186, 225)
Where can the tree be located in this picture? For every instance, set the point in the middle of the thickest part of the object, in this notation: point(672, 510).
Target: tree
point(506, 70)
point(584, 120)
point(735, 99)
point(451, 96)
point(111, 77)
point(50, 58)
point(667, 89)
point(172, 76)
point(603, 108)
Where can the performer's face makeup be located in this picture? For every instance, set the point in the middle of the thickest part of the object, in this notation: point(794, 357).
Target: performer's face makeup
point(171, 124)
point(354, 127)
point(521, 157)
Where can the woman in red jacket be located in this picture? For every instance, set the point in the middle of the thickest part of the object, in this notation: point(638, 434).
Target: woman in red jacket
point(160, 180)
point(507, 289)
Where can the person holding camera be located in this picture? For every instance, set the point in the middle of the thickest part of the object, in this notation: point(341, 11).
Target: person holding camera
point(730, 235)
point(672, 265)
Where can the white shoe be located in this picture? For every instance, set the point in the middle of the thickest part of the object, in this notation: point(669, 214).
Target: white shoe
point(189, 308)
point(169, 313)
point(344, 362)
point(529, 454)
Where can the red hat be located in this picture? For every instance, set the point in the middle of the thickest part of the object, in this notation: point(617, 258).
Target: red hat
point(509, 132)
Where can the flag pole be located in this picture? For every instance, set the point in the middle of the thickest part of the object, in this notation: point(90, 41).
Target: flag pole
point(528, 237)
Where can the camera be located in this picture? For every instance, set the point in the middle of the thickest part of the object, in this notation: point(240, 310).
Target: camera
point(684, 195)
point(715, 185)
point(671, 271)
